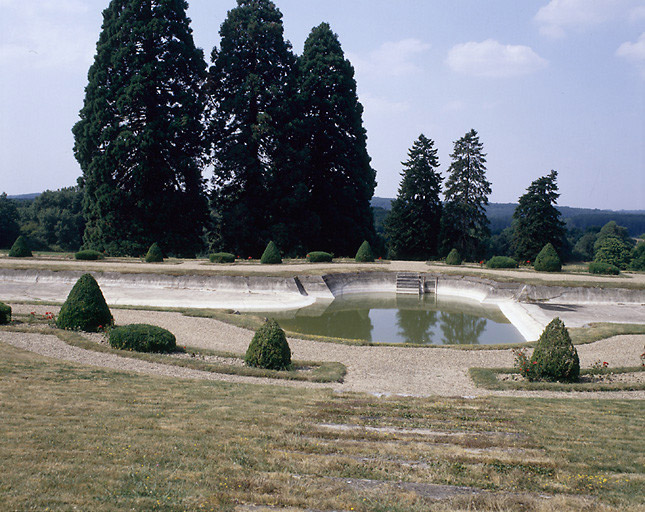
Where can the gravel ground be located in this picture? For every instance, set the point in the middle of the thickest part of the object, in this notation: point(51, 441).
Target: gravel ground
point(378, 370)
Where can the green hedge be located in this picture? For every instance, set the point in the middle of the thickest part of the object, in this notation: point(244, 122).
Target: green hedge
point(88, 255)
point(20, 248)
point(269, 348)
point(222, 257)
point(501, 262)
point(599, 267)
point(142, 338)
point(85, 308)
point(364, 253)
point(453, 258)
point(5, 313)
point(548, 260)
point(155, 255)
point(271, 255)
point(319, 257)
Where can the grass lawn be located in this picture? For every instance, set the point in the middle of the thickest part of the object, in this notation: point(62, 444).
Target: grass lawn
point(76, 437)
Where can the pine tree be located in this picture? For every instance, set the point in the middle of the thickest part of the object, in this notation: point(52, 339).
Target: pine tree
point(464, 223)
point(139, 139)
point(248, 85)
point(412, 226)
point(339, 178)
point(537, 220)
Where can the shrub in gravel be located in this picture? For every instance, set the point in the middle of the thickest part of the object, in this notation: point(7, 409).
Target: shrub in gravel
point(154, 254)
point(5, 313)
point(222, 257)
point(600, 267)
point(88, 255)
point(142, 338)
point(85, 308)
point(548, 260)
point(319, 257)
point(453, 258)
point(269, 348)
point(364, 253)
point(555, 358)
point(20, 248)
point(501, 262)
point(271, 255)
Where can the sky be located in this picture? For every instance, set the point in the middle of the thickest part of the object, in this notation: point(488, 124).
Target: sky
point(547, 84)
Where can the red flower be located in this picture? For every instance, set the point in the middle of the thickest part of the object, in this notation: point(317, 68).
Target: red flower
point(534, 362)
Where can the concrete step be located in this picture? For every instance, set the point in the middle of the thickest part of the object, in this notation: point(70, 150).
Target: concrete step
point(409, 283)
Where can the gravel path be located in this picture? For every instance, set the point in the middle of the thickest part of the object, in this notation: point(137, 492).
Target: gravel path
point(380, 370)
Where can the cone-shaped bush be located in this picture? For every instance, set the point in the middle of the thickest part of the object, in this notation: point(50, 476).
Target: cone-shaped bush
point(364, 253)
point(453, 258)
point(555, 358)
point(85, 308)
point(142, 338)
point(20, 248)
point(154, 254)
point(548, 260)
point(271, 255)
point(269, 348)
point(5, 313)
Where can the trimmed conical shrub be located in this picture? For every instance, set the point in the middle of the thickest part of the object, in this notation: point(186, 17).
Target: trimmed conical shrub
point(20, 248)
point(271, 255)
point(364, 253)
point(269, 348)
point(453, 258)
point(85, 308)
point(555, 358)
point(154, 254)
point(5, 313)
point(548, 260)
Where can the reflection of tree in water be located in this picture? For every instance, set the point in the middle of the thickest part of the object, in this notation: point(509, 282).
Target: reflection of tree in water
point(340, 324)
point(461, 329)
point(415, 326)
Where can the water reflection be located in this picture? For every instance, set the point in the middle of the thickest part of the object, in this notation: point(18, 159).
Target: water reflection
point(459, 328)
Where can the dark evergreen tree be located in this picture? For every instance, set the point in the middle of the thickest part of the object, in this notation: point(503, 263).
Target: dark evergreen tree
point(139, 140)
point(412, 227)
point(248, 87)
point(464, 224)
point(339, 178)
point(9, 227)
point(537, 220)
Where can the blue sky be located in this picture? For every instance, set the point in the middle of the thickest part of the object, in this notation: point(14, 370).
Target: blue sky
point(554, 84)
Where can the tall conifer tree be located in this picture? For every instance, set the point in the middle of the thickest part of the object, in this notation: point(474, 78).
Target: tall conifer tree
point(139, 140)
point(412, 226)
point(464, 223)
point(339, 177)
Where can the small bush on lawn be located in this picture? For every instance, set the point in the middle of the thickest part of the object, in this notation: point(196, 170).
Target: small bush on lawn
point(5, 313)
point(364, 253)
point(599, 267)
point(142, 338)
point(20, 248)
point(638, 257)
point(88, 255)
point(269, 348)
point(501, 262)
point(453, 258)
point(555, 358)
point(271, 255)
point(319, 257)
point(222, 257)
point(154, 254)
point(548, 260)
point(85, 307)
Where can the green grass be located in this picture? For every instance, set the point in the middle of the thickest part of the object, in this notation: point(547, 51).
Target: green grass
point(84, 438)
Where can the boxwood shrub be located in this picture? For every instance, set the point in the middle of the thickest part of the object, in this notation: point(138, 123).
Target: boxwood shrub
point(269, 348)
point(222, 257)
point(271, 255)
point(555, 358)
point(142, 338)
point(364, 253)
point(154, 254)
point(88, 254)
point(319, 257)
point(5, 313)
point(548, 260)
point(20, 248)
point(453, 258)
point(501, 262)
point(85, 307)
point(600, 267)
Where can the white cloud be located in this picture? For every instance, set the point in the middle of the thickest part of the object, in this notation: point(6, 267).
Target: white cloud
point(559, 15)
point(493, 59)
point(634, 52)
point(637, 14)
point(391, 58)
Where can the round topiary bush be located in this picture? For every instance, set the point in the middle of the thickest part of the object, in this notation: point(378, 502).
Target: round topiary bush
point(599, 267)
point(269, 348)
point(364, 253)
point(319, 257)
point(5, 313)
point(142, 338)
point(222, 257)
point(271, 255)
point(453, 258)
point(85, 307)
point(20, 248)
point(88, 255)
point(501, 262)
point(548, 260)
point(555, 358)
point(154, 254)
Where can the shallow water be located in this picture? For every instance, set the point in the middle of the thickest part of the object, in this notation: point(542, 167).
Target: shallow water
point(390, 318)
